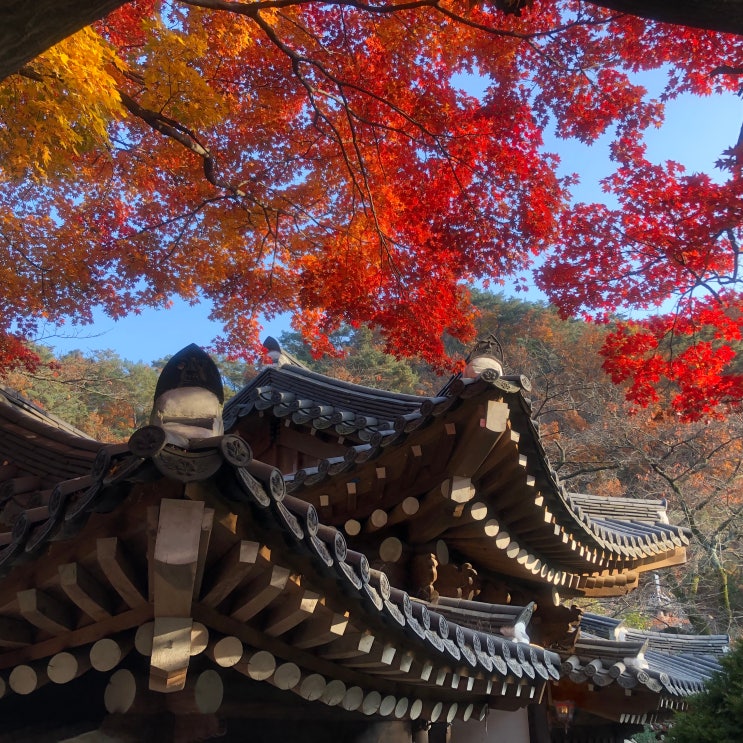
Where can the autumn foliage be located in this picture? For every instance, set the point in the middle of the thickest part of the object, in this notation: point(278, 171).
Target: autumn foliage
point(323, 159)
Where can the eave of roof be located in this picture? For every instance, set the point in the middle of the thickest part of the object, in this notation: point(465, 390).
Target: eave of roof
point(489, 669)
point(369, 424)
point(673, 666)
point(36, 444)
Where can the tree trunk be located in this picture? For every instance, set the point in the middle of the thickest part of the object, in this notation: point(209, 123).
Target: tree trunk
point(29, 28)
point(715, 15)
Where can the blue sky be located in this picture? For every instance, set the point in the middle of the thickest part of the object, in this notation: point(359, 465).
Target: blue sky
point(695, 133)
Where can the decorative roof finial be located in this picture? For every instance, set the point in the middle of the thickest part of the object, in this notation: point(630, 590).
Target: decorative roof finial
point(189, 396)
point(278, 356)
point(486, 354)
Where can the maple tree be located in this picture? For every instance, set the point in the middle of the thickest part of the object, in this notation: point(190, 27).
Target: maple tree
point(322, 159)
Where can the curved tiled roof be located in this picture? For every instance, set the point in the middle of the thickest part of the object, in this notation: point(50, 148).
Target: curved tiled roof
point(582, 543)
point(281, 576)
point(38, 444)
point(673, 666)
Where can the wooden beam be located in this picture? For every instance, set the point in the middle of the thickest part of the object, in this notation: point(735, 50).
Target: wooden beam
point(65, 666)
point(83, 636)
point(286, 676)
point(45, 612)
point(207, 524)
point(25, 679)
point(120, 692)
point(171, 651)
point(376, 521)
point(312, 687)
point(292, 612)
point(351, 645)
point(325, 627)
point(403, 511)
point(352, 527)
point(260, 593)
point(227, 651)
point(202, 696)
point(144, 638)
point(119, 572)
point(235, 567)
point(390, 550)
point(333, 693)
point(380, 655)
point(153, 515)
point(310, 661)
point(85, 591)
point(440, 509)
point(259, 666)
point(479, 436)
point(14, 633)
point(108, 652)
point(460, 490)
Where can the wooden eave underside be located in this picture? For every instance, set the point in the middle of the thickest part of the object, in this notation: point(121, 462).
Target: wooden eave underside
point(259, 570)
point(637, 706)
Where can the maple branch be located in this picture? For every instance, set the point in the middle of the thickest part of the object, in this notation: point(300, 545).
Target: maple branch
point(734, 515)
point(253, 9)
point(188, 139)
point(31, 73)
point(181, 134)
point(249, 8)
point(451, 15)
point(586, 470)
point(366, 191)
point(725, 69)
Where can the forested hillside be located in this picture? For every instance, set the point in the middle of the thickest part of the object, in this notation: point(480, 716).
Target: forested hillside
point(596, 442)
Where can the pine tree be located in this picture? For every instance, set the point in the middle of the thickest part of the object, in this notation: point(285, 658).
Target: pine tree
point(715, 716)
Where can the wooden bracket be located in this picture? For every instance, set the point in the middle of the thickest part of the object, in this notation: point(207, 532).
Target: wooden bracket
point(177, 555)
point(183, 529)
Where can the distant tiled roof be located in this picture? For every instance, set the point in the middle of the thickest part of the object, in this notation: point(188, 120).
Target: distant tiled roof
point(671, 665)
point(38, 450)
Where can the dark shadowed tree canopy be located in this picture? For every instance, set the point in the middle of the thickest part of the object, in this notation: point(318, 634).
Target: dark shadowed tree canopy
point(716, 715)
point(29, 28)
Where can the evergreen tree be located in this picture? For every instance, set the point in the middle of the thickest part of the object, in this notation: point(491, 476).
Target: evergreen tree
point(716, 715)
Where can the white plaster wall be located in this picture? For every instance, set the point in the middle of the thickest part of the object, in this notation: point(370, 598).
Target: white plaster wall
point(498, 727)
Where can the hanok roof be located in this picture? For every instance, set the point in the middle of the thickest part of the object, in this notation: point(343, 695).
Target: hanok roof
point(273, 537)
point(27, 429)
point(157, 540)
point(476, 461)
point(664, 668)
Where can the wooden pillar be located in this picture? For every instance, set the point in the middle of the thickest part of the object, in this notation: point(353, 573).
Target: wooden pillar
point(164, 726)
point(440, 732)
